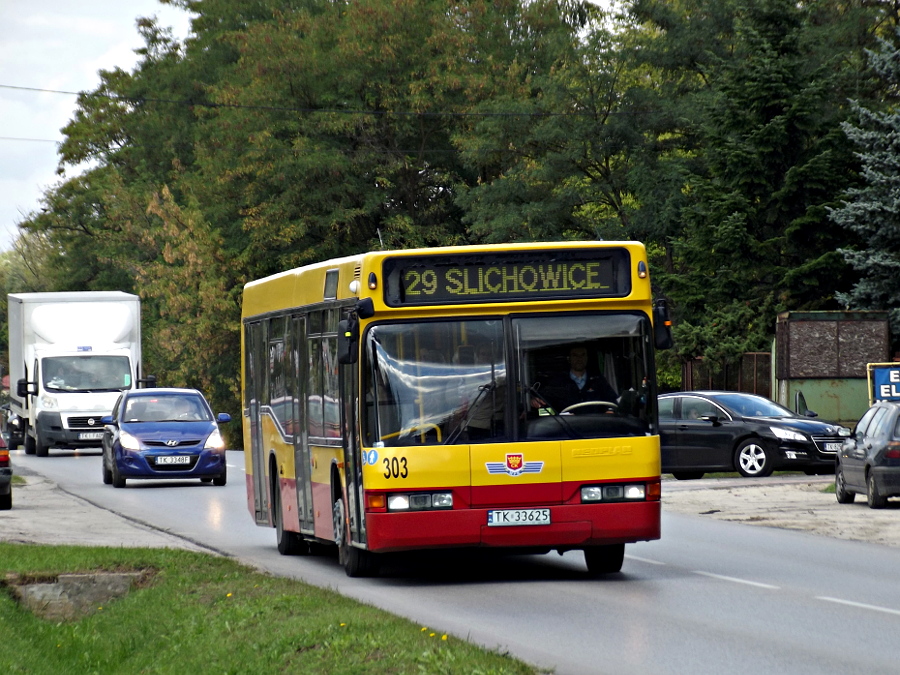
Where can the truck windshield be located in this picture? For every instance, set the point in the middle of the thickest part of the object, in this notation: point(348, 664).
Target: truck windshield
point(86, 373)
point(502, 380)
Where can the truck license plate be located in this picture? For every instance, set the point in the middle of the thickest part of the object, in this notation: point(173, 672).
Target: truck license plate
point(518, 517)
point(90, 436)
point(177, 459)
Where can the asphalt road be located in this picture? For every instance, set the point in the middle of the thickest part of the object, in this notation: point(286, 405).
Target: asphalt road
point(710, 597)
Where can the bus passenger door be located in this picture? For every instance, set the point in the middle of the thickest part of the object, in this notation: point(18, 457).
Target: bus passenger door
point(298, 393)
point(352, 467)
point(256, 379)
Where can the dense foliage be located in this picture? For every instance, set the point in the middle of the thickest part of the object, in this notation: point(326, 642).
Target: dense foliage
point(287, 131)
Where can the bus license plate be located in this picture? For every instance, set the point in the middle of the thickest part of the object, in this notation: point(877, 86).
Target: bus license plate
point(179, 459)
point(519, 517)
point(90, 436)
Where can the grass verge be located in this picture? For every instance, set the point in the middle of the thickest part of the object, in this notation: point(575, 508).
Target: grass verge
point(204, 614)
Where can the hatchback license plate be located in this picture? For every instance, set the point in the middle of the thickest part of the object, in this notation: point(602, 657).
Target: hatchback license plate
point(518, 517)
point(174, 459)
point(832, 447)
point(90, 436)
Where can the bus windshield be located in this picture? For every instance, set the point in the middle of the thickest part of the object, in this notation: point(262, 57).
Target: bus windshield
point(499, 380)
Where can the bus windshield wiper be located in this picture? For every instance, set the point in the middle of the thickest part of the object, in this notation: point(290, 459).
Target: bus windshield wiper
point(464, 422)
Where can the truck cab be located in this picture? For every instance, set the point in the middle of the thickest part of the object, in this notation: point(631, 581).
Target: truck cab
point(71, 355)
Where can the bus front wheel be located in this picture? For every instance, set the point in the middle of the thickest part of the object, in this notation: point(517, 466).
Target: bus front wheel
point(356, 561)
point(602, 560)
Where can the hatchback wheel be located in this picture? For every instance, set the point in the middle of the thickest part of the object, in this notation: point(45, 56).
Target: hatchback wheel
point(752, 460)
point(6, 501)
point(118, 481)
point(843, 495)
point(107, 474)
point(876, 499)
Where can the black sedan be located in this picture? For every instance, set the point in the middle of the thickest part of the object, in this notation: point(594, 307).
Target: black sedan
point(705, 431)
point(869, 461)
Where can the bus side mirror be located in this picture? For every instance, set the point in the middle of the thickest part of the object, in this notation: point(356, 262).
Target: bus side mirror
point(365, 308)
point(662, 325)
point(348, 341)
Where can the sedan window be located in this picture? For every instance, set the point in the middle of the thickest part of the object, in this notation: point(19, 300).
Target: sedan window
point(666, 408)
point(695, 408)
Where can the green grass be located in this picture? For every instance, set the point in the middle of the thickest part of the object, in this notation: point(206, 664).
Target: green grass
point(204, 614)
point(18, 480)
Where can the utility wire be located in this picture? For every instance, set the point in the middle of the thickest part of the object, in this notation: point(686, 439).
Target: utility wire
point(340, 111)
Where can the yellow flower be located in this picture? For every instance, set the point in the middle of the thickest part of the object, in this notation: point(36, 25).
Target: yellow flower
point(343, 624)
point(228, 595)
point(424, 628)
point(431, 635)
point(444, 636)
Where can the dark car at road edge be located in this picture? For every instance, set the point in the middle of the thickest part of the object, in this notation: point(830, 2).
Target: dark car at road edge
point(869, 461)
point(704, 431)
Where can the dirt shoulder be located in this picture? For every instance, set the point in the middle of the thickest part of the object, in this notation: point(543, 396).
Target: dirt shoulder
point(43, 513)
point(797, 503)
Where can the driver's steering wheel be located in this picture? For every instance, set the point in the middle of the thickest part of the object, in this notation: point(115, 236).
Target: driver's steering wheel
point(585, 404)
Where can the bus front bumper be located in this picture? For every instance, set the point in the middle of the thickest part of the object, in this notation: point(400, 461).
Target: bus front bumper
point(571, 527)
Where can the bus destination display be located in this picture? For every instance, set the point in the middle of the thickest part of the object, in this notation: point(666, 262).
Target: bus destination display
point(507, 277)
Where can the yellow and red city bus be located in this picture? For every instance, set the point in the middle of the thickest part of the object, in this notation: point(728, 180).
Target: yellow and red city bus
point(404, 400)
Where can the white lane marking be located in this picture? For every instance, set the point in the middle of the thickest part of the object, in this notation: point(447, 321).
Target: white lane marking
point(736, 580)
point(645, 560)
point(861, 605)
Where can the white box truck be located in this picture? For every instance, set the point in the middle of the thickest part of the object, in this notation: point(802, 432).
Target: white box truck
point(70, 356)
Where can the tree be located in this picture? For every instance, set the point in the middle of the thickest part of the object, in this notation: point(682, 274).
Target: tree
point(750, 235)
point(872, 212)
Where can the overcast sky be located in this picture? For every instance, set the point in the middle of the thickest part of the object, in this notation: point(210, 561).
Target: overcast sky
point(56, 45)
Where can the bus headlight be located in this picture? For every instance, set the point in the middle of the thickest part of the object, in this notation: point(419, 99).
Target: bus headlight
point(614, 493)
point(420, 501)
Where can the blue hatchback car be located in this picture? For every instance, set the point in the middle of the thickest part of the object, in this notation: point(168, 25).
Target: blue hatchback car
point(163, 433)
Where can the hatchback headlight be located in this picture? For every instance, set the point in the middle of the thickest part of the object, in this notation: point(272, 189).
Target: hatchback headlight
point(788, 435)
point(215, 441)
point(129, 442)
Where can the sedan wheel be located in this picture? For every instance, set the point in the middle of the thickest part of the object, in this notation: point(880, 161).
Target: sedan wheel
point(843, 495)
point(752, 460)
point(875, 499)
point(6, 501)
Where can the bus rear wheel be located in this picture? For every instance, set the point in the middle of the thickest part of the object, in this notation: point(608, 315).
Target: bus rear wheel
point(602, 560)
point(289, 543)
point(356, 561)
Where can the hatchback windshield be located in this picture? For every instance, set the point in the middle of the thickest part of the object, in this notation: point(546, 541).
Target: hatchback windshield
point(167, 408)
point(505, 379)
